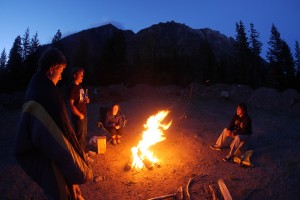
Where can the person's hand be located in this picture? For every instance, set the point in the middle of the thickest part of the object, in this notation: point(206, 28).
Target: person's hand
point(117, 127)
point(229, 133)
point(81, 116)
point(87, 100)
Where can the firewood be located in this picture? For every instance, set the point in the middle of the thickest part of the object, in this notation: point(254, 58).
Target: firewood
point(148, 164)
point(224, 190)
point(213, 192)
point(188, 185)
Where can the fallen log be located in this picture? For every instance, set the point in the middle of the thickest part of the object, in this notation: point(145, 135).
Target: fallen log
point(224, 190)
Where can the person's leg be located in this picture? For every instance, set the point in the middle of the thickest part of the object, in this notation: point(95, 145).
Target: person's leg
point(119, 135)
point(84, 133)
point(222, 140)
point(80, 134)
point(113, 133)
point(77, 128)
point(239, 145)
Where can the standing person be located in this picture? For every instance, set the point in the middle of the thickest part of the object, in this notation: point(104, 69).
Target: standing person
point(77, 100)
point(114, 123)
point(46, 145)
point(240, 130)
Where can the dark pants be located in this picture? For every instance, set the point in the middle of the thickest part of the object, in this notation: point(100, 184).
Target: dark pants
point(80, 128)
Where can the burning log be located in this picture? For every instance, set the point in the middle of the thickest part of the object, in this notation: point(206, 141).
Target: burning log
point(148, 164)
point(224, 190)
point(178, 195)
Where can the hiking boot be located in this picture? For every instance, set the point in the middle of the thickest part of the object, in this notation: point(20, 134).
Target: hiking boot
point(215, 147)
point(228, 159)
point(91, 153)
point(114, 142)
point(118, 141)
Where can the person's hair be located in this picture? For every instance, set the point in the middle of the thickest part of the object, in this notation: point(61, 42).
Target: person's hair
point(243, 107)
point(51, 57)
point(76, 70)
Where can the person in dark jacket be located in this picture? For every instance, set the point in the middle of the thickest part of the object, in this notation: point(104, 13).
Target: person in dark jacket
point(46, 146)
point(240, 130)
point(114, 123)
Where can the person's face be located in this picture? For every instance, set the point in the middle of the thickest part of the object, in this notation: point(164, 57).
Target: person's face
point(79, 77)
point(115, 109)
point(55, 73)
point(239, 111)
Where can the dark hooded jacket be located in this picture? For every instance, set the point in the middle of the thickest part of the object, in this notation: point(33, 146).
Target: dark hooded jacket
point(46, 146)
point(241, 125)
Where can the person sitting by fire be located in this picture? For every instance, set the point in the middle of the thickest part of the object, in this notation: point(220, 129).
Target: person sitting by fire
point(240, 130)
point(114, 123)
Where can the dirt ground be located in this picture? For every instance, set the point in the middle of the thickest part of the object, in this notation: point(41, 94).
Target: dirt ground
point(196, 124)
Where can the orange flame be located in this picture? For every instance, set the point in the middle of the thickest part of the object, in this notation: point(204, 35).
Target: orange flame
point(152, 135)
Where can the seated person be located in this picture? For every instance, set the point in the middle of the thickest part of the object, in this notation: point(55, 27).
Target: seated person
point(114, 123)
point(240, 130)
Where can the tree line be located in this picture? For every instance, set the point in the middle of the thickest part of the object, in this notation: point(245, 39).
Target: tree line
point(281, 71)
point(21, 63)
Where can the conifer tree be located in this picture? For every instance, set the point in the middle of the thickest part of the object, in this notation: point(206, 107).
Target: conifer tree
point(274, 73)
point(281, 64)
point(32, 59)
point(14, 76)
point(287, 65)
point(275, 42)
point(255, 44)
point(25, 45)
point(14, 62)
point(297, 59)
point(243, 67)
point(241, 40)
point(34, 44)
point(56, 37)
point(3, 60)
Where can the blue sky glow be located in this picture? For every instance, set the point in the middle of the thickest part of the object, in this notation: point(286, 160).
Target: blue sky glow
point(71, 16)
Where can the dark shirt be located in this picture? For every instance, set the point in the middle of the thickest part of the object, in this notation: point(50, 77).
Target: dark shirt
point(241, 125)
point(112, 121)
point(76, 92)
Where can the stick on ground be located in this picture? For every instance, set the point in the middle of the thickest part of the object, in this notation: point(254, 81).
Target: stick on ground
point(224, 190)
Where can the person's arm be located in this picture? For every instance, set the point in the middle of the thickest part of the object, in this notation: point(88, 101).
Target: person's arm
point(108, 121)
point(120, 120)
point(245, 126)
point(74, 110)
point(232, 123)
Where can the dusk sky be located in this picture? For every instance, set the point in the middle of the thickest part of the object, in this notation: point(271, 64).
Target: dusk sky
point(71, 16)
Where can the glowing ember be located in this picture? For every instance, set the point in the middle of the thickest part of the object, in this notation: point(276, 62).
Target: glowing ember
point(152, 135)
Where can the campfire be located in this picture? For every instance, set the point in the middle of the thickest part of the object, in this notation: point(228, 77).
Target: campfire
point(141, 155)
